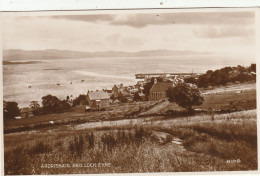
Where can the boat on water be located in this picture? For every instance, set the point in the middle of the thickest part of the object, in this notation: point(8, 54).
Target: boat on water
point(82, 80)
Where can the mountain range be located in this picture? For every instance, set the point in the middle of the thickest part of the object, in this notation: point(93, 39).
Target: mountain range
point(17, 54)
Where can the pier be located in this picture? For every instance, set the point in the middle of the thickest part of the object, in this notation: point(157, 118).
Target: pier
point(143, 75)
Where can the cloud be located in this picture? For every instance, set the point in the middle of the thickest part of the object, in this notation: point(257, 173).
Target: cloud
point(86, 18)
point(140, 20)
point(204, 18)
point(223, 32)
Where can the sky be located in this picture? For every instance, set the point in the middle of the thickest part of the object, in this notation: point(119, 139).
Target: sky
point(216, 32)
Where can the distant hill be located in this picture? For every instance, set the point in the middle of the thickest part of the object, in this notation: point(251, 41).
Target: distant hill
point(16, 54)
point(13, 63)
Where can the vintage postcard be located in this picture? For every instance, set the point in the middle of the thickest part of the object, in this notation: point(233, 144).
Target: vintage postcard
point(130, 91)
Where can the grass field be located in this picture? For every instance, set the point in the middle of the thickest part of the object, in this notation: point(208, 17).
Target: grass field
point(227, 143)
point(245, 99)
point(78, 115)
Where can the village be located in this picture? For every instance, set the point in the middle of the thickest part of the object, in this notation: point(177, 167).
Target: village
point(102, 99)
point(149, 87)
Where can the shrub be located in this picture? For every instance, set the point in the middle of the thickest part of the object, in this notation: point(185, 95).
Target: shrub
point(76, 146)
point(109, 142)
point(91, 141)
point(40, 147)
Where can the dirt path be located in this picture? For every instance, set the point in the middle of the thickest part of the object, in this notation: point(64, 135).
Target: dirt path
point(156, 109)
point(167, 139)
point(116, 123)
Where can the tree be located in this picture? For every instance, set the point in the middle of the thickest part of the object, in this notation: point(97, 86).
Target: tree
point(35, 107)
point(191, 80)
point(77, 100)
point(253, 68)
point(209, 73)
point(242, 77)
point(137, 97)
point(64, 106)
point(241, 68)
point(185, 95)
point(203, 81)
point(122, 98)
point(11, 110)
point(50, 104)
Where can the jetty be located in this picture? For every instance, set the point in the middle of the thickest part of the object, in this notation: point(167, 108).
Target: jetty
point(144, 75)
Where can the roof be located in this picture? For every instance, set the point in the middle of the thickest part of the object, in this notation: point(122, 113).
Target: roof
point(98, 95)
point(108, 91)
point(25, 110)
point(160, 87)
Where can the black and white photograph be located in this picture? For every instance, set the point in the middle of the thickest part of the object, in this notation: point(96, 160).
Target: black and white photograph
point(129, 91)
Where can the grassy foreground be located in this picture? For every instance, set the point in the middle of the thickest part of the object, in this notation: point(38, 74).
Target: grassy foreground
point(197, 143)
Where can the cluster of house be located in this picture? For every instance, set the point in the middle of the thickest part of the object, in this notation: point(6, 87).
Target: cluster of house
point(102, 99)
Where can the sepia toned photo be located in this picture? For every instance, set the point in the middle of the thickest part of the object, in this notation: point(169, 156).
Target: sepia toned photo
point(129, 91)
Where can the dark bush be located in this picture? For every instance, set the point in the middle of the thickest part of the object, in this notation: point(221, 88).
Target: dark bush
point(11, 110)
point(76, 146)
point(40, 147)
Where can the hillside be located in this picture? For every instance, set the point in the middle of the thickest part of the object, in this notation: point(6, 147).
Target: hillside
point(17, 54)
point(14, 63)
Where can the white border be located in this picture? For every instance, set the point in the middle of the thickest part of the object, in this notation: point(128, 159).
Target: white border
point(129, 11)
point(34, 5)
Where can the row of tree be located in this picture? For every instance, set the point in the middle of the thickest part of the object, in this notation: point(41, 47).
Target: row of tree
point(224, 75)
point(50, 104)
point(186, 94)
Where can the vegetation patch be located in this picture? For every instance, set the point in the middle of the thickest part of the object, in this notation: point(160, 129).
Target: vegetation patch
point(148, 147)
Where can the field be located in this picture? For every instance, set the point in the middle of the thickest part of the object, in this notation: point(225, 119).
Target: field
point(184, 144)
point(137, 138)
point(78, 115)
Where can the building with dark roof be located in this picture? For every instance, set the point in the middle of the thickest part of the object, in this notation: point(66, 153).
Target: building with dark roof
point(158, 91)
point(26, 112)
point(98, 100)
